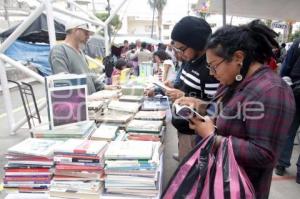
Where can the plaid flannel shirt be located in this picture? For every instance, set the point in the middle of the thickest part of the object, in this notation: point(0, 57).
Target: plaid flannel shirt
point(257, 142)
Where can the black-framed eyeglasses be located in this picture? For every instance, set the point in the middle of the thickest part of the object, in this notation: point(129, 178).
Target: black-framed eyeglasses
point(181, 49)
point(213, 68)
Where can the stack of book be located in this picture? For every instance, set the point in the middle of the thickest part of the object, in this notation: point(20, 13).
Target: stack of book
point(118, 118)
point(131, 98)
point(131, 107)
point(79, 169)
point(137, 90)
point(155, 104)
point(132, 169)
point(150, 115)
point(105, 132)
point(77, 130)
point(94, 107)
point(29, 165)
point(104, 94)
point(145, 130)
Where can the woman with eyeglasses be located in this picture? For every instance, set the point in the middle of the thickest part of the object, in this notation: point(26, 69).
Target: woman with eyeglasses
point(253, 104)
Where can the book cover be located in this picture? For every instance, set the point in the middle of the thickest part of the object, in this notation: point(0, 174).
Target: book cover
point(150, 115)
point(111, 116)
point(156, 103)
point(77, 146)
point(36, 147)
point(66, 99)
point(104, 94)
point(131, 98)
point(129, 150)
point(144, 126)
point(131, 107)
point(95, 105)
point(105, 132)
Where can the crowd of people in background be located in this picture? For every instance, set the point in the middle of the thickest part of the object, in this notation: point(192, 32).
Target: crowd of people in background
point(229, 67)
point(162, 56)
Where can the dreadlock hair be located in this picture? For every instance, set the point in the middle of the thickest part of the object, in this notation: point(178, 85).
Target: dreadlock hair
point(254, 39)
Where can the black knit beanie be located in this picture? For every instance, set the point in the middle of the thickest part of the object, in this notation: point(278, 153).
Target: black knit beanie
point(194, 32)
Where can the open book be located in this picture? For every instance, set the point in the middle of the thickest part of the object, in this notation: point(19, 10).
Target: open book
point(187, 112)
point(161, 85)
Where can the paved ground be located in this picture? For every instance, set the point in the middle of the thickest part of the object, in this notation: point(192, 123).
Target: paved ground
point(282, 187)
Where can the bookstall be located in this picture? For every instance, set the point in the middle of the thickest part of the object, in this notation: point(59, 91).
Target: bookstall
point(106, 145)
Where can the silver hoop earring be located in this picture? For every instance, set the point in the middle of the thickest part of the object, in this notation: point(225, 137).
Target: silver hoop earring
point(238, 77)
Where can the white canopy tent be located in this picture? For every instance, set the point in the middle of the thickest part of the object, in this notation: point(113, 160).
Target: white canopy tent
point(287, 10)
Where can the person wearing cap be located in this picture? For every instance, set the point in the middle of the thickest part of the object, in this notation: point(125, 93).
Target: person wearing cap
point(68, 57)
point(190, 36)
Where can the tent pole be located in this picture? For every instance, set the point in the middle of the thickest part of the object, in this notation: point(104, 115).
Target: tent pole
point(4, 83)
point(50, 23)
point(22, 68)
point(106, 37)
point(7, 97)
point(224, 12)
point(66, 12)
point(85, 11)
point(22, 27)
point(114, 13)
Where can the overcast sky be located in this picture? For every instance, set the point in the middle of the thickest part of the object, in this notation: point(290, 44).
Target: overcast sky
point(175, 9)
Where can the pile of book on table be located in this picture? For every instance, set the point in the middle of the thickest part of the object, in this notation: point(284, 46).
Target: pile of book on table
point(155, 104)
point(79, 169)
point(145, 130)
point(106, 132)
point(94, 108)
point(118, 113)
point(80, 130)
point(132, 169)
point(29, 165)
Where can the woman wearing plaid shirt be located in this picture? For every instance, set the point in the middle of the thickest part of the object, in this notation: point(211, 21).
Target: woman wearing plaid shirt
point(253, 105)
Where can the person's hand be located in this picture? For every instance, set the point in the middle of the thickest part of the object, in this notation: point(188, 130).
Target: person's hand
point(194, 103)
point(203, 129)
point(168, 83)
point(149, 92)
point(174, 94)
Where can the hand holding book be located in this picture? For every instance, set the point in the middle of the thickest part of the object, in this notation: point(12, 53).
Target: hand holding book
point(203, 125)
point(198, 105)
point(187, 112)
point(203, 129)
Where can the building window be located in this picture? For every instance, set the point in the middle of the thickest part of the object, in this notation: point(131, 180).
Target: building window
point(166, 27)
point(166, 37)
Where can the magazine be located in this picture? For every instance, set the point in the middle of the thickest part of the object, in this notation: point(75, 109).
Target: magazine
point(66, 98)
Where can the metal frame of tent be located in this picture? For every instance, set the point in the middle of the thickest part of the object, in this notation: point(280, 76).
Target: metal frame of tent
point(45, 5)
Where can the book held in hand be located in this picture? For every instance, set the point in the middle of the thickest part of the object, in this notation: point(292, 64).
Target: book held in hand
point(186, 112)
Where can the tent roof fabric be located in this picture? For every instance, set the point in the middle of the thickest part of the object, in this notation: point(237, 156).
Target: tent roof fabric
point(38, 31)
point(265, 9)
